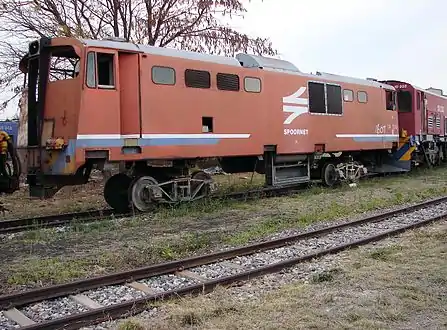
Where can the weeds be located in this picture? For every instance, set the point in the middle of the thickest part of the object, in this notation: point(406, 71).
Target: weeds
point(111, 245)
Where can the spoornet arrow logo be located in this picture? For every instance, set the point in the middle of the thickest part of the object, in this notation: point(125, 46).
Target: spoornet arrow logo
point(300, 105)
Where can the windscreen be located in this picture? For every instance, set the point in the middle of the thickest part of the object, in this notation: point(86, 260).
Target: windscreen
point(404, 101)
point(64, 63)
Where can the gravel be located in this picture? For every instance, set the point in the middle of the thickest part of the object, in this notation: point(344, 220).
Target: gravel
point(52, 309)
point(307, 246)
point(168, 282)
point(216, 270)
point(112, 295)
point(6, 324)
point(256, 288)
point(324, 224)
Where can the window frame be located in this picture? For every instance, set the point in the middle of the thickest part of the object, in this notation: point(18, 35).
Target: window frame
point(106, 87)
point(95, 73)
point(228, 74)
point(252, 91)
point(197, 70)
point(393, 94)
point(418, 100)
point(366, 94)
point(163, 67)
point(325, 99)
point(411, 96)
point(348, 90)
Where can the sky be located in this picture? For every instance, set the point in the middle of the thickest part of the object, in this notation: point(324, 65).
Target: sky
point(384, 39)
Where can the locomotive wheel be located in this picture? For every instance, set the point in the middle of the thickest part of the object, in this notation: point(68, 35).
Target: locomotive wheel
point(115, 192)
point(141, 195)
point(329, 175)
point(205, 189)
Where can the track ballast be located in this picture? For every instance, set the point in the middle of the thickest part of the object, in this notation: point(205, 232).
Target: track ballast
point(82, 303)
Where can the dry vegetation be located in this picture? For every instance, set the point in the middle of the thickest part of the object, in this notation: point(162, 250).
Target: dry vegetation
point(90, 197)
point(47, 256)
point(400, 284)
point(67, 200)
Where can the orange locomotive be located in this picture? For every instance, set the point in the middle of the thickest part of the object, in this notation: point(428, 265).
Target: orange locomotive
point(157, 111)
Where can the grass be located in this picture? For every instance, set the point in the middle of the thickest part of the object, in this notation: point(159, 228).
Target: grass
point(54, 270)
point(53, 256)
point(130, 325)
point(404, 290)
point(61, 269)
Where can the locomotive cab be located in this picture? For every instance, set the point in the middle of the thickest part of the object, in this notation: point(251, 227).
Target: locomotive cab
point(53, 69)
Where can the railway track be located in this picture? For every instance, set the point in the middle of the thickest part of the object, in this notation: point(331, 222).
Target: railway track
point(95, 300)
point(18, 225)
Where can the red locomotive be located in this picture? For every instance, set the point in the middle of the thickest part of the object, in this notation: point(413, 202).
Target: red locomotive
point(421, 115)
point(157, 111)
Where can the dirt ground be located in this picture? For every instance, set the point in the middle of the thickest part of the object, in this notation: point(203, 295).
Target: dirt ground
point(67, 200)
point(90, 197)
point(399, 284)
point(47, 256)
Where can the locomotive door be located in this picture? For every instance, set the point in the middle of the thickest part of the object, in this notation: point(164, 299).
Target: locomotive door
point(129, 69)
point(422, 105)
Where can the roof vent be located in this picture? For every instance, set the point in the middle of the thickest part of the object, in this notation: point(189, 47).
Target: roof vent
point(436, 91)
point(262, 62)
point(117, 39)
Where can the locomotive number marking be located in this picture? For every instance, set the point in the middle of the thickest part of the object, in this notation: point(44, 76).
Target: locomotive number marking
point(380, 129)
point(440, 108)
point(296, 131)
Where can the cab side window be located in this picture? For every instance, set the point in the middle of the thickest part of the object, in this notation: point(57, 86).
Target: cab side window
point(390, 100)
point(91, 70)
point(100, 70)
point(105, 70)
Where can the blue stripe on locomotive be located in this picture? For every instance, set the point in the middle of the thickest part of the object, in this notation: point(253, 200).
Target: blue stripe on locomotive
point(12, 128)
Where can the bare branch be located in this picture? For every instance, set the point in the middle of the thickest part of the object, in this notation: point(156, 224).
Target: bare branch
point(187, 24)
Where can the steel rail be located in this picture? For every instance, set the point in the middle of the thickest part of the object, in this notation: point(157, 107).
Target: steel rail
point(50, 292)
point(136, 306)
point(17, 225)
point(10, 226)
point(54, 220)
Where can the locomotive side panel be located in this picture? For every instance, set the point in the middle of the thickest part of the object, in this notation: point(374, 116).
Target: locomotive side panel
point(435, 106)
point(335, 115)
point(197, 109)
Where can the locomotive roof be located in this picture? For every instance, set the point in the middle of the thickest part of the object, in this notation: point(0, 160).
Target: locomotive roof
point(431, 91)
point(161, 51)
point(428, 91)
point(246, 60)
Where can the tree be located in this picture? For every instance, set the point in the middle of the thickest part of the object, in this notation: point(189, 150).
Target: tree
point(187, 24)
